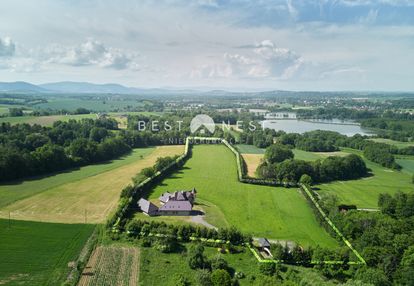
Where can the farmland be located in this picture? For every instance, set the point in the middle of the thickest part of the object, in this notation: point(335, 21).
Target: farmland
point(364, 192)
point(260, 210)
point(112, 265)
point(50, 119)
point(252, 161)
point(34, 253)
point(89, 193)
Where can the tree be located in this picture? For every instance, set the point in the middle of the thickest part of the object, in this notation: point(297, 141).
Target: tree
point(179, 280)
point(372, 275)
point(277, 153)
point(268, 269)
point(218, 262)
point(220, 277)
point(196, 258)
point(204, 277)
point(15, 112)
point(306, 180)
point(98, 134)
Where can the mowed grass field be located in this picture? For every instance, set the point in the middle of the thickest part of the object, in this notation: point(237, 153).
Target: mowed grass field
point(364, 192)
point(277, 213)
point(33, 253)
point(393, 142)
point(89, 193)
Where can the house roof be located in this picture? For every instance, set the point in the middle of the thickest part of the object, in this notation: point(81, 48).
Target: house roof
point(165, 197)
point(263, 242)
point(146, 206)
point(178, 196)
point(176, 206)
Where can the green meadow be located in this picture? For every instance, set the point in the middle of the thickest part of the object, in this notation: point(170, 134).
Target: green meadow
point(34, 253)
point(277, 213)
point(364, 192)
point(249, 149)
point(13, 191)
point(393, 142)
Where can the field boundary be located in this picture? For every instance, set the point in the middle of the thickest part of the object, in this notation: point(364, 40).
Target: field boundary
point(309, 196)
point(124, 206)
point(331, 224)
point(125, 203)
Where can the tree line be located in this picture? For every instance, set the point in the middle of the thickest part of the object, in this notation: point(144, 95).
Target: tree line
point(28, 150)
point(279, 164)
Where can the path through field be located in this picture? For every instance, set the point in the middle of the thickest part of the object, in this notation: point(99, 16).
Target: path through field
point(112, 265)
point(88, 199)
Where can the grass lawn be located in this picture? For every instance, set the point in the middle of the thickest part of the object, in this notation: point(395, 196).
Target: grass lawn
point(156, 266)
point(407, 162)
point(65, 197)
point(35, 253)
point(364, 192)
point(272, 212)
point(249, 149)
point(393, 142)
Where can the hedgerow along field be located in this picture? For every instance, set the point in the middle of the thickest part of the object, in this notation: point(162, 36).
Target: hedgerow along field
point(272, 212)
point(34, 253)
point(112, 265)
point(364, 192)
point(89, 193)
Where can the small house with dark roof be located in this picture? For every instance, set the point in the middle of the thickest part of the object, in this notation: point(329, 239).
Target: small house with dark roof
point(147, 207)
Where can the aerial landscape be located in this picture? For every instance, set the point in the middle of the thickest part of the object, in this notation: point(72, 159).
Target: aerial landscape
point(208, 142)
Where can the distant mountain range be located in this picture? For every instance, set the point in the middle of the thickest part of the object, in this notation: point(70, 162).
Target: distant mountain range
point(81, 87)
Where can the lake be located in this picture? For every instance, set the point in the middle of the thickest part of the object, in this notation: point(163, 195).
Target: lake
point(348, 128)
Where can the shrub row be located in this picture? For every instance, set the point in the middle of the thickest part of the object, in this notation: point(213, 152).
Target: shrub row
point(130, 194)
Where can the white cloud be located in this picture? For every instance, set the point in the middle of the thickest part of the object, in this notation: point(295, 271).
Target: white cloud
point(7, 47)
point(263, 60)
point(91, 53)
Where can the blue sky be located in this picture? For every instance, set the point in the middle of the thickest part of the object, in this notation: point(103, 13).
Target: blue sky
point(235, 44)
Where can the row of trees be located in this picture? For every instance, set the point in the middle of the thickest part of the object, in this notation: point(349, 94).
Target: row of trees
point(27, 150)
point(279, 164)
point(140, 228)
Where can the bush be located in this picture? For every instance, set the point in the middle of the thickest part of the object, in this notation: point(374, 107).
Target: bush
point(268, 269)
point(218, 262)
point(221, 277)
point(204, 277)
point(196, 258)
